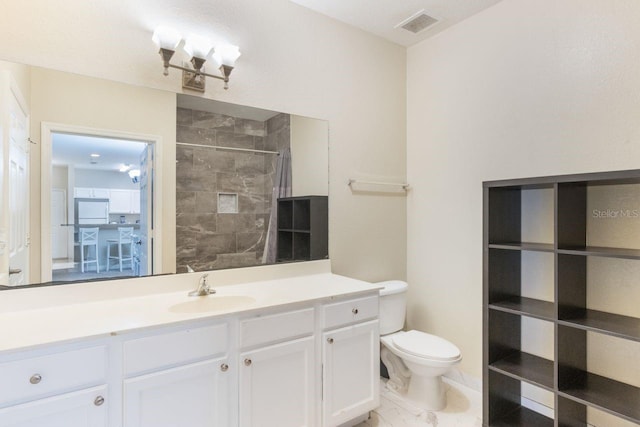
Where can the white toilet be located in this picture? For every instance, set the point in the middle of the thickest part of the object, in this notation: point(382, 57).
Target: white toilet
point(415, 360)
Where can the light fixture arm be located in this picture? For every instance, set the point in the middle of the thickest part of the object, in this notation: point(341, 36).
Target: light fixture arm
point(167, 54)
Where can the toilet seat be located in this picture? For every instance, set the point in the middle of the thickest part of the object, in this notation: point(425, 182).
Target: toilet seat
point(427, 346)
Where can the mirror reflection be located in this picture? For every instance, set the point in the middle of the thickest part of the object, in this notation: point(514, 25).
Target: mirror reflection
point(88, 184)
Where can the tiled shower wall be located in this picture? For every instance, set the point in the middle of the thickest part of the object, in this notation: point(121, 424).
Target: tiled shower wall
point(205, 238)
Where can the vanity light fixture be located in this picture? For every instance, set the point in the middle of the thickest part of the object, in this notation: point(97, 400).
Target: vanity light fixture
point(199, 49)
point(125, 168)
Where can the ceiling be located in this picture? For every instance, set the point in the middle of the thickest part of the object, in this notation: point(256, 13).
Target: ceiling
point(77, 149)
point(380, 17)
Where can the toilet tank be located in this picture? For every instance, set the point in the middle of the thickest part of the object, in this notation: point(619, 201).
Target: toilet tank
point(393, 306)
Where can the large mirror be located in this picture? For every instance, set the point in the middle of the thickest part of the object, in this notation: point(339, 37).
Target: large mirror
point(104, 180)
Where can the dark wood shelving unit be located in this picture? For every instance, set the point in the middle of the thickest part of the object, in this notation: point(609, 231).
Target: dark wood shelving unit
point(303, 228)
point(506, 365)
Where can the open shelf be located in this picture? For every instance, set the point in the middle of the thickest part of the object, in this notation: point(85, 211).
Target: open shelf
point(523, 246)
point(522, 416)
point(614, 397)
point(605, 323)
point(539, 309)
point(600, 251)
point(526, 367)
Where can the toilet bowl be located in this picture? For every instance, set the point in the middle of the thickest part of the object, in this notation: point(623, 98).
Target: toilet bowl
point(415, 360)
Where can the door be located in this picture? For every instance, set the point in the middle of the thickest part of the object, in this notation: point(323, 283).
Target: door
point(197, 395)
point(351, 363)
point(145, 245)
point(59, 232)
point(86, 408)
point(18, 195)
point(277, 385)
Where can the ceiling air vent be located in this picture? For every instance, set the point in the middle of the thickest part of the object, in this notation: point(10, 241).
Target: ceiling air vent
point(417, 22)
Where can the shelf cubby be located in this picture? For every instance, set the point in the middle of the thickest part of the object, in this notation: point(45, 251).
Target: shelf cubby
point(580, 373)
point(507, 355)
point(505, 404)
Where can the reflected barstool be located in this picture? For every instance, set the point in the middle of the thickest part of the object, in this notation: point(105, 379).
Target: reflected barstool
point(88, 238)
point(125, 238)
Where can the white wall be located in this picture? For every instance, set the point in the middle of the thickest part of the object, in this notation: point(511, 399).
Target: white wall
point(525, 88)
point(309, 157)
point(293, 60)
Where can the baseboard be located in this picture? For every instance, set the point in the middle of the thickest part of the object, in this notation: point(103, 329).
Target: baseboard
point(461, 377)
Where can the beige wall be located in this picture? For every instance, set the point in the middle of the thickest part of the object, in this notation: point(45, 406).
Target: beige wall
point(293, 60)
point(310, 157)
point(69, 99)
point(521, 89)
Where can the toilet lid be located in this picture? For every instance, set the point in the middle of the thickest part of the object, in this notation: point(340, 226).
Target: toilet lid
point(425, 345)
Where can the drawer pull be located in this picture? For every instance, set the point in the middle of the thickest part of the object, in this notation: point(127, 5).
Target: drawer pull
point(35, 379)
point(247, 362)
point(330, 340)
point(98, 401)
point(354, 311)
point(224, 367)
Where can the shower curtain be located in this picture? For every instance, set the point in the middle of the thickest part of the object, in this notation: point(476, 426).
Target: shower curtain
point(281, 188)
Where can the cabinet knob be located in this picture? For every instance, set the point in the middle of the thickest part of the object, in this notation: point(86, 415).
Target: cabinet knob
point(247, 362)
point(35, 379)
point(98, 401)
point(224, 367)
point(330, 340)
point(354, 311)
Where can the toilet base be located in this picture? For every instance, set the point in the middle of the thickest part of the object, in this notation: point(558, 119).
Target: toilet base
point(427, 392)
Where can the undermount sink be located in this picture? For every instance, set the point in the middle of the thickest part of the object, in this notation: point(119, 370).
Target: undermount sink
point(212, 303)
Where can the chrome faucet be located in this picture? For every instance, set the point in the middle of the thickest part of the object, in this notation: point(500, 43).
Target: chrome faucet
point(203, 288)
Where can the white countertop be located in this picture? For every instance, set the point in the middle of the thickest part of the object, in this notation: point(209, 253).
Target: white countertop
point(28, 328)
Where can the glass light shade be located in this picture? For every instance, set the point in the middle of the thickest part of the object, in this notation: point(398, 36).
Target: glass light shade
point(134, 173)
point(166, 38)
point(198, 47)
point(226, 55)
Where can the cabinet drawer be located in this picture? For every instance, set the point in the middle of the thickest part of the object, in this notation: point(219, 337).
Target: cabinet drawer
point(276, 327)
point(32, 378)
point(350, 311)
point(174, 348)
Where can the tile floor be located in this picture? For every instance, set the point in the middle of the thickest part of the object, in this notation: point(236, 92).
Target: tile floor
point(464, 409)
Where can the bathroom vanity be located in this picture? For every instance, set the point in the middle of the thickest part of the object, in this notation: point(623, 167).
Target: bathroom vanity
point(290, 351)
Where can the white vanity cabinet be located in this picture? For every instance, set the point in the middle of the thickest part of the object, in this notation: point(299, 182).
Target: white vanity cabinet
point(277, 370)
point(350, 359)
point(182, 377)
point(57, 387)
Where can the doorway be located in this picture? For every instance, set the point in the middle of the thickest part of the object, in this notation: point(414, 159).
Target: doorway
point(101, 205)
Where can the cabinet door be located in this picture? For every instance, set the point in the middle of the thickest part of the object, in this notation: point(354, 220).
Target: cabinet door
point(79, 409)
point(197, 395)
point(277, 385)
point(351, 383)
point(81, 192)
point(100, 193)
point(119, 201)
